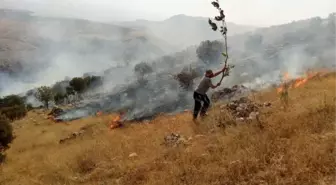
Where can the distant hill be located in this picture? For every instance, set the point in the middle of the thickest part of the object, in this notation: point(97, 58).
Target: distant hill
point(27, 40)
point(182, 30)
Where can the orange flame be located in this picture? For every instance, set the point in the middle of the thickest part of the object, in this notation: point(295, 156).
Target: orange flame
point(300, 81)
point(116, 122)
point(99, 113)
point(285, 79)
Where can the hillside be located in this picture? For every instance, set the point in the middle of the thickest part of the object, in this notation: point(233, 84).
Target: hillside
point(27, 41)
point(292, 146)
point(183, 31)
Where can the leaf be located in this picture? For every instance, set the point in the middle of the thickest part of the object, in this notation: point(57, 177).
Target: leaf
point(213, 25)
point(225, 55)
point(215, 4)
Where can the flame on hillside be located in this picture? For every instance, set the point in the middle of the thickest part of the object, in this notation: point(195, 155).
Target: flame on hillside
point(288, 84)
point(99, 113)
point(116, 121)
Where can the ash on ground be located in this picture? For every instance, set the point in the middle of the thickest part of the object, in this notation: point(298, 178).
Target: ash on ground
point(230, 93)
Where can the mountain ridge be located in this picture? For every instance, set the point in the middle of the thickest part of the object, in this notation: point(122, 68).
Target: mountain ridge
point(194, 30)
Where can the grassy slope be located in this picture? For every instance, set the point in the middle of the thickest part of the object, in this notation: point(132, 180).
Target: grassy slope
point(294, 147)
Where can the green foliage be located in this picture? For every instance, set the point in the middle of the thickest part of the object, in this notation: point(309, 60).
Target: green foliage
point(13, 107)
point(78, 84)
point(6, 131)
point(44, 94)
point(142, 69)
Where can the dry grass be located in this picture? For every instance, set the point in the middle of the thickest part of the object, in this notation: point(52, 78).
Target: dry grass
point(293, 146)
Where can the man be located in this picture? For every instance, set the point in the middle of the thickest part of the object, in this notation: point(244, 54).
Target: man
point(200, 95)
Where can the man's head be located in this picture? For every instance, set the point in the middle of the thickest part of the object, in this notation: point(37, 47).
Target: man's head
point(208, 73)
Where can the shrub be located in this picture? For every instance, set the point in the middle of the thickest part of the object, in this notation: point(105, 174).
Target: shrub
point(11, 100)
point(13, 107)
point(14, 112)
point(6, 131)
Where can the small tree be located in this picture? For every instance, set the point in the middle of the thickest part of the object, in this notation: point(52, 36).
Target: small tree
point(44, 94)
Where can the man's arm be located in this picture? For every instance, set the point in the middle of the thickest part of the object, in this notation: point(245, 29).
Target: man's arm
point(219, 72)
point(215, 86)
point(212, 85)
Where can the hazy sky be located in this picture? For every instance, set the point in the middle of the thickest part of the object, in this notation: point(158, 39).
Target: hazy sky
point(252, 12)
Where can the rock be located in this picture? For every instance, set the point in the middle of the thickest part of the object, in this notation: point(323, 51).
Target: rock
point(199, 135)
point(238, 109)
point(240, 119)
point(244, 109)
point(182, 140)
point(55, 112)
point(253, 115)
point(73, 135)
point(174, 140)
point(267, 104)
point(133, 155)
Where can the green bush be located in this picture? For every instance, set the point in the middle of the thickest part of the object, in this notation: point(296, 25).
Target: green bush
point(6, 131)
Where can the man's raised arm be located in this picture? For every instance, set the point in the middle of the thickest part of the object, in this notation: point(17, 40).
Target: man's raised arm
point(219, 72)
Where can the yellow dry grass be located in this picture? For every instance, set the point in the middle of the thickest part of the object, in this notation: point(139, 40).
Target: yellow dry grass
point(293, 146)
